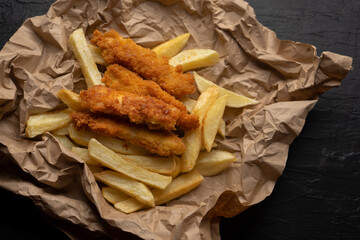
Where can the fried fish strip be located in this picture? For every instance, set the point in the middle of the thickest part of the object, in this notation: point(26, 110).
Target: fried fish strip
point(122, 79)
point(143, 61)
point(153, 112)
point(161, 143)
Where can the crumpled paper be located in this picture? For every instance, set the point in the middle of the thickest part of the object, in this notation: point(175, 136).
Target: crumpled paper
point(286, 77)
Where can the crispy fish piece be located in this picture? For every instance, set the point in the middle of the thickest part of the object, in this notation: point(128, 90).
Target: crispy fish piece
point(153, 112)
point(161, 143)
point(119, 78)
point(144, 62)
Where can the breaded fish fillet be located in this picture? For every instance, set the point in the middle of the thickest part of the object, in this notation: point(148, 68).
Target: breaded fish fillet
point(122, 79)
point(161, 143)
point(144, 62)
point(151, 111)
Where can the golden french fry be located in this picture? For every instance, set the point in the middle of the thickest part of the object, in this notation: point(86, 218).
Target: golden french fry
point(95, 169)
point(162, 165)
point(193, 138)
point(97, 55)
point(82, 53)
point(203, 148)
point(178, 167)
point(222, 127)
point(113, 195)
point(212, 121)
point(47, 122)
point(62, 131)
point(195, 58)
point(64, 141)
point(83, 153)
point(178, 187)
point(71, 99)
point(82, 137)
point(129, 205)
point(189, 103)
point(211, 163)
point(127, 185)
point(234, 100)
point(112, 160)
point(172, 47)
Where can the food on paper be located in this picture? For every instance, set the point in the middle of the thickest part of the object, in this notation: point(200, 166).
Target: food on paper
point(193, 138)
point(211, 163)
point(64, 141)
point(172, 47)
point(71, 99)
point(144, 62)
point(82, 137)
point(234, 100)
point(113, 195)
point(119, 125)
point(195, 58)
point(178, 187)
point(161, 143)
point(47, 122)
point(82, 53)
point(162, 165)
point(212, 121)
point(122, 79)
point(129, 186)
point(112, 160)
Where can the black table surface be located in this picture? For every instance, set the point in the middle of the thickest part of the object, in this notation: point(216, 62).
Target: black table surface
point(318, 195)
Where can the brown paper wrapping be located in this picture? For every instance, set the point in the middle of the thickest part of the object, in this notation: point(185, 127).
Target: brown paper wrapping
point(286, 77)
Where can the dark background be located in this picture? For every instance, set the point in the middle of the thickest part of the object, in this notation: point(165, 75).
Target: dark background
point(318, 195)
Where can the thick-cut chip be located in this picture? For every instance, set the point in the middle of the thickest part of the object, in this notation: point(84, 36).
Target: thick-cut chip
point(83, 153)
point(211, 163)
point(172, 47)
point(195, 58)
point(82, 137)
point(64, 141)
point(189, 103)
point(71, 99)
point(129, 205)
point(234, 100)
point(162, 165)
point(193, 138)
point(113, 195)
point(127, 185)
point(97, 55)
point(95, 169)
point(47, 122)
point(178, 187)
point(112, 160)
point(62, 131)
point(222, 127)
point(212, 121)
point(178, 167)
point(82, 53)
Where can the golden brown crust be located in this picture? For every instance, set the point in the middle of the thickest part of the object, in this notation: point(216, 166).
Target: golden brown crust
point(153, 112)
point(143, 61)
point(122, 79)
point(161, 143)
